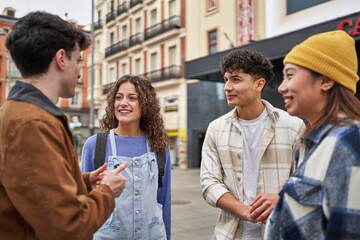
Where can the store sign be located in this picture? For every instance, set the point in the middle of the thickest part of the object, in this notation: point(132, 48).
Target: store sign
point(351, 26)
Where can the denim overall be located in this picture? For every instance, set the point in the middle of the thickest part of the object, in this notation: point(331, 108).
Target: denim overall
point(137, 214)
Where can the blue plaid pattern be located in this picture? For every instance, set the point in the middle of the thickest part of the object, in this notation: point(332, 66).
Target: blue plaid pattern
point(322, 199)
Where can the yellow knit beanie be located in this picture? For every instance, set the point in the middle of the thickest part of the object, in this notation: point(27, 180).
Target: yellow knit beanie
point(331, 54)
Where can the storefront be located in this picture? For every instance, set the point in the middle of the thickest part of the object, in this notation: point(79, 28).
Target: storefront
point(207, 70)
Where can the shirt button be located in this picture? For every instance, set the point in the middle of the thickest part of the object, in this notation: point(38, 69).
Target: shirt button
point(136, 162)
point(137, 229)
point(238, 179)
point(137, 212)
point(136, 193)
point(239, 155)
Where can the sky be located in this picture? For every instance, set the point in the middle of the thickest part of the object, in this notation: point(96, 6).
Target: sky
point(79, 10)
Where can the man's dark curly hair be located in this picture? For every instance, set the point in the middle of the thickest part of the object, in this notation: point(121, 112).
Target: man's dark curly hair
point(250, 62)
point(151, 121)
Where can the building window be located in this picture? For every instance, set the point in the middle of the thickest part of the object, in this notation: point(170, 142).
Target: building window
point(75, 100)
point(112, 75)
point(13, 70)
point(124, 32)
point(212, 5)
point(112, 5)
point(137, 66)
point(138, 25)
point(212, 41)
point(112, 38)
point(153, 58)
point(293, 6)
point(153, 14)
point(123, 69)
point(172, 8)
point(10, 13)
point(172, 55)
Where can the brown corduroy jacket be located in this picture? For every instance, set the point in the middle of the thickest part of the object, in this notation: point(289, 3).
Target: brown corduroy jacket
point(43, 194)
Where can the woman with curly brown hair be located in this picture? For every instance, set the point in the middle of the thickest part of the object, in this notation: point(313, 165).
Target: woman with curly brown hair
point(135, 135)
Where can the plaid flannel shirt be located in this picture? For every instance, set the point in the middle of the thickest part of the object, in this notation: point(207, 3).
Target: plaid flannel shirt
point(322, 199)
point(222, 163)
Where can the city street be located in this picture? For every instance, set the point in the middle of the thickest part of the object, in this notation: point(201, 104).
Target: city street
point(192, 217)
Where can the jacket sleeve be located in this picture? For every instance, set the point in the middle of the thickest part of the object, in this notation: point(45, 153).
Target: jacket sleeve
point(164, 195)
point(44, 183)
point(211, 171)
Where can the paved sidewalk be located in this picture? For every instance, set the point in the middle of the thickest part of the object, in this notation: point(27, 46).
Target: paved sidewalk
point(192, 217)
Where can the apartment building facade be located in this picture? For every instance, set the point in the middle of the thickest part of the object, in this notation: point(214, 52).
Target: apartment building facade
point(154, 38)
point(147, 38)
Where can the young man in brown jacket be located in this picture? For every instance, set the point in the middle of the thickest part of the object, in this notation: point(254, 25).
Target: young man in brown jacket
point(43, 194)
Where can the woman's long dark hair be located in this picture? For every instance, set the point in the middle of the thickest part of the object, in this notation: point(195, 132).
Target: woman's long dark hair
point(340, 100)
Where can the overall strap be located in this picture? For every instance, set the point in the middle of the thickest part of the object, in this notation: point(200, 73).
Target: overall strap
point(161, 160)
point(112, 142)
point(100, 149)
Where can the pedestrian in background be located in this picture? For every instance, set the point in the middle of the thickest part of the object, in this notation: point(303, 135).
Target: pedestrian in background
point(247, 153)
point(43, 194)
point(321, 199)
point(136, 136)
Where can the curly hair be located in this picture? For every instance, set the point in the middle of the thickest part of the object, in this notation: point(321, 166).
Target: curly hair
point(151, 121)
point(250, 62)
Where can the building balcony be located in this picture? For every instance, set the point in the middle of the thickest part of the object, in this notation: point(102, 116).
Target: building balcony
point(117, 47)
point(137, 38)
point(106, 88)
point(135, 2)
point(173, 71)
point(166, 25)
point(110, 16)
point(97, 25)
point(122, 8)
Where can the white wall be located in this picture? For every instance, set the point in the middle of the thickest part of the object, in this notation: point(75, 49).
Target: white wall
point(278, 23)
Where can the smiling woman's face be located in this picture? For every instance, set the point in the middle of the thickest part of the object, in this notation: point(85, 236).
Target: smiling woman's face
point(127, 106)
point(302, 92)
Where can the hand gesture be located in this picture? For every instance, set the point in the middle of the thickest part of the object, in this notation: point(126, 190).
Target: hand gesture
point(115, 180)
point(97, 175)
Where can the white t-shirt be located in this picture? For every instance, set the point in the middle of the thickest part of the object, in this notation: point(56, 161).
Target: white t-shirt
point(253, 132)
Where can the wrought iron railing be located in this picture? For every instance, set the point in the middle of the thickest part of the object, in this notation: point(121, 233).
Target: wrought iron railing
point(173, 71)
point(97, 25)
point(135, 2)
point(166, 25)
point(117, 47)
point(122, 8)
point(136, 39)
point(110, 16)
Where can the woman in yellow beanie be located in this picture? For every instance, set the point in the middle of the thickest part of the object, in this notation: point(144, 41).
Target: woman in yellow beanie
point(322, 199)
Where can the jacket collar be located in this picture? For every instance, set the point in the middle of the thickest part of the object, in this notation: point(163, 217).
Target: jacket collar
point(272, 112)
point(26, 92)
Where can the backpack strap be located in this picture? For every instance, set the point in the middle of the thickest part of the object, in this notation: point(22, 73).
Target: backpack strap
point(161, 161)
point(100, 149)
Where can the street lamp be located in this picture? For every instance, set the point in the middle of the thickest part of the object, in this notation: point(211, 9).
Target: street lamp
point(91, 124)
